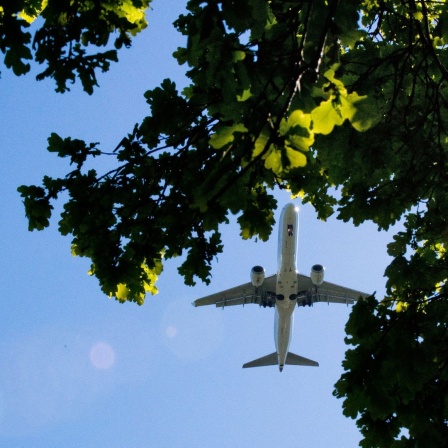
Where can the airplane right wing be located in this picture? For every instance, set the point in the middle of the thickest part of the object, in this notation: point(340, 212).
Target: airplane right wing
point(242, 294)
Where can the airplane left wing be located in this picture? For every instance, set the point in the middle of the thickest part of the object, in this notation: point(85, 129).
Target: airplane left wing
point(326, 292)
point(242, 294)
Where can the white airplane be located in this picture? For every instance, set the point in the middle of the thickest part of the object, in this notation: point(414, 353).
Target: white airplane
point(283, 291)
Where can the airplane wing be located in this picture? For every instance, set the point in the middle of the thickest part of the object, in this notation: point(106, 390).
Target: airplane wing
point(265, 295)
point(240, 295)
point(326, 292)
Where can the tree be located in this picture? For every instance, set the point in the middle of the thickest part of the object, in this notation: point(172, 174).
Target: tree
point(64, 40)
point(304, 96)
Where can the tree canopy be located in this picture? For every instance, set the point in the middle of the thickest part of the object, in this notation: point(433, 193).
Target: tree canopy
point(306, 96)
point(66, 33)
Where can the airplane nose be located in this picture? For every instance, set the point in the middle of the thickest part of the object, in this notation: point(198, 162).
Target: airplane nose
point(280, 368)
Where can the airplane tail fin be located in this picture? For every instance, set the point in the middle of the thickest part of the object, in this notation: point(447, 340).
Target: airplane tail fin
point(272, 360)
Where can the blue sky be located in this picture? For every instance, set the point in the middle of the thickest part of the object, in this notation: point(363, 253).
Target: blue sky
point(80, 370)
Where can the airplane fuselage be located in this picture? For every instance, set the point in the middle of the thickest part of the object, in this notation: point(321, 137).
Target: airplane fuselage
point(286, 287)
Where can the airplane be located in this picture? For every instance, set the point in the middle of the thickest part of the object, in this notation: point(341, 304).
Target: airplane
point(284, 291)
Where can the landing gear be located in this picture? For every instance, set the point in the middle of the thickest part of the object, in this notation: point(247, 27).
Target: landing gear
point(307, 299)
point(269, 300)
point(267, 303)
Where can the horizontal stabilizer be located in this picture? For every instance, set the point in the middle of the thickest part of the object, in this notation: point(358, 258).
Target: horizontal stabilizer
point(272, 360)
point(269, 360)
point(296, 360)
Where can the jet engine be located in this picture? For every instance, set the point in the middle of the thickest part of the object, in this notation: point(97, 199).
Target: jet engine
point(257, 276)
point(317, 274)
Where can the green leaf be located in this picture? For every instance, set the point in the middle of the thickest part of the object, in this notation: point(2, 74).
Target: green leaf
point(325, 117)
point(273, 161)
point(225, 134)
point(297, 159)
point(359, 111)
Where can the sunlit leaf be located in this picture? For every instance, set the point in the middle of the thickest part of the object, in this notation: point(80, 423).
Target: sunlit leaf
point(225, 135)
point(296, 158)
point(325, 117)
point(273, 161)
point(358, 111)
point(260, 145)
point(244, 96)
